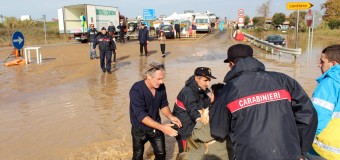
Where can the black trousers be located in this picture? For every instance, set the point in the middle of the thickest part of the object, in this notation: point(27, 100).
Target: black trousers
point(108, 55)
point(140, 137)
point(163, 48)
point(178, 34)
point(180, 144)
point(114, 54)
point(121, 38)
point(145, 45)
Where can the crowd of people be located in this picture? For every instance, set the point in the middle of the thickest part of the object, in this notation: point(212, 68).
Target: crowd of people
point(106, 40)
point(254, 114)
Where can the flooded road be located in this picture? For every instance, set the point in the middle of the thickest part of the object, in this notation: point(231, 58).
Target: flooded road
point(66, 108)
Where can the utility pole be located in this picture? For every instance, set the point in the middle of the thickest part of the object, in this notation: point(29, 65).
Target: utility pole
point(297, 30)
point(44, 17)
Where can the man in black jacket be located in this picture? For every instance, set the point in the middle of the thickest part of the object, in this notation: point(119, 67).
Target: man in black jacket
point(178, 29)
point(105, 43)
point(190, 99)
point(121, 28)
point(268, 115)
point(143, 40)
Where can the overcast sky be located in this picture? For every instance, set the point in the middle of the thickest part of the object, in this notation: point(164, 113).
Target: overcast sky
point(132, 8)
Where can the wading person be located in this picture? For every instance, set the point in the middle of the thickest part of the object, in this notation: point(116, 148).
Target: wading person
point(194, 28)
point(104, 40)
point(91, 36)
point(162, 40)
point(147, 98)
point(192, 97)
point(143, 40)
point(114, 49)
point(268, 115)
point(121, 28)
point(178, 29)
point(326, 100)
point(111, 29)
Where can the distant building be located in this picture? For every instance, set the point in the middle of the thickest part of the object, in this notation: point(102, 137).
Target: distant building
point(25, 17)
point(189, 11)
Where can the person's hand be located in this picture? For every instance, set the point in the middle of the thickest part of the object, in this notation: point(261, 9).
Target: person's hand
point(147, 41)
point(166, 129)
point(137, 41)
point(198, 119)
point(93, 50)
point(176, 121)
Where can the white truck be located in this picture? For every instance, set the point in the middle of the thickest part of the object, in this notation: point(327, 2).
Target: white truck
point(202, 23)
point(75, 19)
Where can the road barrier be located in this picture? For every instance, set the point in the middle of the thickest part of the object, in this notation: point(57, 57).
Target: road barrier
point(270, 47)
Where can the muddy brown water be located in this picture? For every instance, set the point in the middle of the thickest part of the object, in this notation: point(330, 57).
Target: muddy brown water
point(66, 108)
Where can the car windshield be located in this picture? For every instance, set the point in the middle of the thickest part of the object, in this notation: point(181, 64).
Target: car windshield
point(271, 38)
point(201, 20)
point(166, 27)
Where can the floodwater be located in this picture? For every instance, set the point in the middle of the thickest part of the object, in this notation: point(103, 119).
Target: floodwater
point(66, 108)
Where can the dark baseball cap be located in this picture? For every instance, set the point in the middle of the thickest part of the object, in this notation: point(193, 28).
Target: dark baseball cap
point(239, 51)
point(103, 28)
point(204, 71)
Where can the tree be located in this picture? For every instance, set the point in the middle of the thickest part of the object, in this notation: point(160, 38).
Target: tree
point(259, 21)
point(11, 22)
point(246, 20)
point(334, 24)
point(292, 17)
point(278, 19)
point(264, 9)
point(332, 10)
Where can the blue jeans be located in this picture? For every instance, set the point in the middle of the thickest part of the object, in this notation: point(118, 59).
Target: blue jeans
point(92, 54)
point(140, 137)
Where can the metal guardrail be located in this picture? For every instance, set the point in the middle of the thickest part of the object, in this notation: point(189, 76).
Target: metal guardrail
point(270, 47)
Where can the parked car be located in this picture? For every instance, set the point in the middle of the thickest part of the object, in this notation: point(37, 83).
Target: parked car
point(168, 31)
point(276, 39)
point(132, 30)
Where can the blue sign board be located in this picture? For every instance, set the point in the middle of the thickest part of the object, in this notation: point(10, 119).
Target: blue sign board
point(149, 14)
point(18, 40)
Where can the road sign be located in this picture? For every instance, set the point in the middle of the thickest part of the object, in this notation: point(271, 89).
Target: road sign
point(149, 14)
point(309, 18)
point(313, 18)
point(240, 20)
point(18, 40)
point(240, 12)
point(298, 5)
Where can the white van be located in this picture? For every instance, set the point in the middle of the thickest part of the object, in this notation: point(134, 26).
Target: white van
point(203, 23)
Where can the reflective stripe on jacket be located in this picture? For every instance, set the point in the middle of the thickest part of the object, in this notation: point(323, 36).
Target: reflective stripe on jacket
point(326, 102)
point(268, 115)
